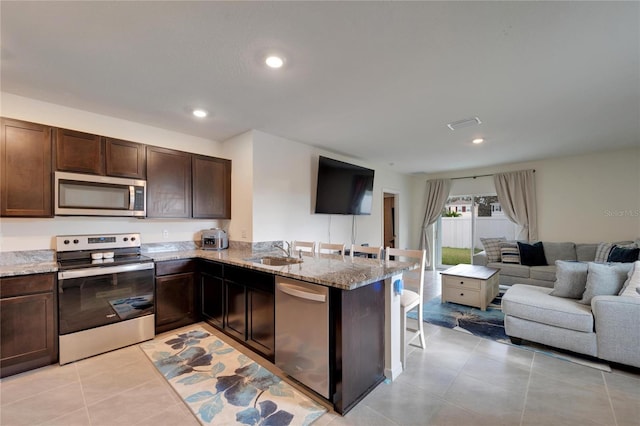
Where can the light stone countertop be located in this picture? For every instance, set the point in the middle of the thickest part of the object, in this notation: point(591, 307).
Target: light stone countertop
point(28, 269)
point(326, 269)
point(15, 263)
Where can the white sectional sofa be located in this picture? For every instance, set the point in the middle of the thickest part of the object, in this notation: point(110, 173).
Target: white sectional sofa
point(574, 303)
point(545, 275)
point(593, 309)
point(608, 328)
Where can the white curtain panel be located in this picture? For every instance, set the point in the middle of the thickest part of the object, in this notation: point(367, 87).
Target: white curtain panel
point(517, 195)
point(437, 194)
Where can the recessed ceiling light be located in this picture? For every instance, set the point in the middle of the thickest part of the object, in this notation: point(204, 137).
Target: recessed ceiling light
point(200, 113)
point(477, 141)
point(274, 61)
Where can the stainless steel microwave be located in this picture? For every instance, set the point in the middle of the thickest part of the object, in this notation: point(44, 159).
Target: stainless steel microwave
point(78, 194)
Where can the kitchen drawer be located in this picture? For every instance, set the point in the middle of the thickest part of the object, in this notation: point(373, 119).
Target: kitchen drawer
point(169, 267)
point(462, 282)
point(28, 284)
point(462, 296)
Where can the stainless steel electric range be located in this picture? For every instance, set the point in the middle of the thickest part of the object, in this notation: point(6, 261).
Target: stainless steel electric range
point(105, 294)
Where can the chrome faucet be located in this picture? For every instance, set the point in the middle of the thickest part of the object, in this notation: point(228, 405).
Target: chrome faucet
point(286, 251)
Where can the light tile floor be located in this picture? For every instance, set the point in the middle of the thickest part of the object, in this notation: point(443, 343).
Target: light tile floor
point(458, 379)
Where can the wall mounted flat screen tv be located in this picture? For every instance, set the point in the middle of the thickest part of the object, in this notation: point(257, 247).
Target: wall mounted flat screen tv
point(343, 188)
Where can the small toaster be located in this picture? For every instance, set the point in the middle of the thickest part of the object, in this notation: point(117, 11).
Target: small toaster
point(214, 239)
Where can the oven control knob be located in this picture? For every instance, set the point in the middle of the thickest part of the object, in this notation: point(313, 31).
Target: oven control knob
point(133, 238)
point(126, 239)
point(66, 241)
point(76, 241)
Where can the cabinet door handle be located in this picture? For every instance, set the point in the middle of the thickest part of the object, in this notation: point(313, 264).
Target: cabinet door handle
point(461, 294)
point(461, 282)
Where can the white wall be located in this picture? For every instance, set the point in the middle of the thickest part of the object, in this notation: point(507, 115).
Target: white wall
point(239, 149)
point(31, 234)
point(586, 198)
point(285, 174)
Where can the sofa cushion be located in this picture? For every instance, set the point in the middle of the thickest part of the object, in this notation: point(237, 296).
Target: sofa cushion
point(536, 304)
point(532, 254)
point(632, 284)
point(511, 269)
point(586, 252)
point(605, 279)
point(545, 273)
point(571, 279)
point(492, 248)
point(559, 251)
point(624, 255)
point(509, 253)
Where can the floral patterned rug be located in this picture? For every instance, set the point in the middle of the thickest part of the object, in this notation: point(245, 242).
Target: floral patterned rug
point(223, 386)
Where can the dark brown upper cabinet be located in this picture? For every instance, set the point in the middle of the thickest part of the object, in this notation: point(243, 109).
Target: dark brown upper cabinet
point(79, 152)
point(211, 187)
point(26, 169)
point(125, 159)
point(168, 183)
point(87, 153)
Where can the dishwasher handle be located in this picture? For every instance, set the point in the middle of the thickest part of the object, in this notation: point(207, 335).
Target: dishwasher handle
point(296, 291)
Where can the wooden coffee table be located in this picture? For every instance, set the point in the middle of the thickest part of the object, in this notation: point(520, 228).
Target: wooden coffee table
point(470, 285)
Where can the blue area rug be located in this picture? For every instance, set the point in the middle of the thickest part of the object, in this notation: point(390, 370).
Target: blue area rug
point(225, 387)
point(489, 324)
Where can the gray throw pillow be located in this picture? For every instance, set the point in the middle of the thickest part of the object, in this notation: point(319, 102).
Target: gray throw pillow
point(509, 253)
point(602, 252)
point(492, 248)
point(571, 279)
point(605, 279)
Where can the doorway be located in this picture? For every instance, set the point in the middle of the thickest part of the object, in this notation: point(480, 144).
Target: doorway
point(390, 218)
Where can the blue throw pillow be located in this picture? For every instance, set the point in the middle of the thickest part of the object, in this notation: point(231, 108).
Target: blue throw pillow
point(623, 255)
point(532, 254)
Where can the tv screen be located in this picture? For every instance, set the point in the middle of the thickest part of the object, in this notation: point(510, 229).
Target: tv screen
point(343, 188)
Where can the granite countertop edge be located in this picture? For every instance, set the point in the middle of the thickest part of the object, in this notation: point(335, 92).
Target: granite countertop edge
point(329, 270)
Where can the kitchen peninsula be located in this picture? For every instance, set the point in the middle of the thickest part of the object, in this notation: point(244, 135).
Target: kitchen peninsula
point(364, 344)
point(232, 291)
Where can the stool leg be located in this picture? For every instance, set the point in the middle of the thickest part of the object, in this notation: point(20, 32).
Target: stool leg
point(420, 326)
point(403, 338)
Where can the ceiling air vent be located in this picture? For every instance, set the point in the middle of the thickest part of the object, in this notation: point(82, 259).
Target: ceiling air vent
point(464, 123)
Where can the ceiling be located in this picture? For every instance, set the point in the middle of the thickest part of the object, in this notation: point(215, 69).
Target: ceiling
point(376, 81)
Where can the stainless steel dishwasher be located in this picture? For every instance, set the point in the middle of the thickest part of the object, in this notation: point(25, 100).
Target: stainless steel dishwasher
point(302, 332)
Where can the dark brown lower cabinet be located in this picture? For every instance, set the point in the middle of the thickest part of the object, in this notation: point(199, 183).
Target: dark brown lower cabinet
point(241, 303)
point(212, 293)
point(235, 310)
point(358, 343)
point(175, 294)
point(28, 323)
point(261, 319)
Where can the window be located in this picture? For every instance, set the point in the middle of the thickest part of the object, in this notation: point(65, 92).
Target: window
point(477, 216)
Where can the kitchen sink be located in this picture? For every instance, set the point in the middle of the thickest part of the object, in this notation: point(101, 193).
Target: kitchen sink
point(276, 260)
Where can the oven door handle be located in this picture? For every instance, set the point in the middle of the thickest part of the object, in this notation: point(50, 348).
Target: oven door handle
point(104, 270)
